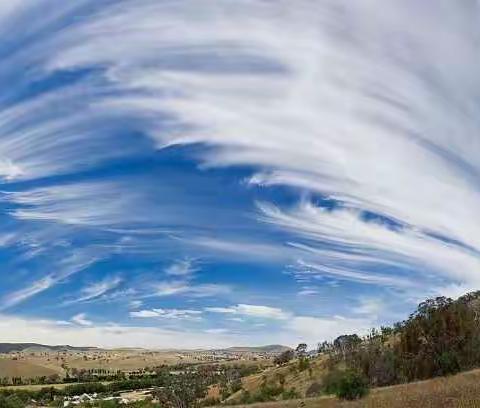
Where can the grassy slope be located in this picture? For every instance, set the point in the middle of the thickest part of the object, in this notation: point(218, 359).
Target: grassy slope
point(20, 368)
point(461, 390)
point(293, 378)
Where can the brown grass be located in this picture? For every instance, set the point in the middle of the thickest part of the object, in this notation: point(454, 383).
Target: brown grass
point(462, 391)
point(15, 368)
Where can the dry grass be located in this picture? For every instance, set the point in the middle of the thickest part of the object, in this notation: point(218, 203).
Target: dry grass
point(301, 381)
point(462, 391)
point(15, 368)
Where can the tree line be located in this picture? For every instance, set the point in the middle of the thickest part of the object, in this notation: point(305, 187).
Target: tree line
point(440, 337)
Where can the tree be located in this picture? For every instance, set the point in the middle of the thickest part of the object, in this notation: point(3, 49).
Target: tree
point(351, 386)
point(183, 392)
point(346, 343)
point(301, 349)
point(284, 357)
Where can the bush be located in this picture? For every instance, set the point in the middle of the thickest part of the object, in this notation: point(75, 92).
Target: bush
point(347, 384)
point(290, 394)
point(284, 358)
point(352, 385)
point(448, 363)
point(303, 364)
point(11, 402)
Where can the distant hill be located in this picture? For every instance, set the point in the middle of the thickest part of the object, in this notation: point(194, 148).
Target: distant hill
point(35, 347)
point(272, 348)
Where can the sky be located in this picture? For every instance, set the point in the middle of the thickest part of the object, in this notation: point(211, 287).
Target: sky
point(181, 174)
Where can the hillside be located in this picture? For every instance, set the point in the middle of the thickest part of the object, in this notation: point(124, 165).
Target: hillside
point(35, 347)
point(24, 369)
point(460, 390)
point(290, 375)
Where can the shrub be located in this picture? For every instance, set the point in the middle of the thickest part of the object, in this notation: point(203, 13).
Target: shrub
point(448, 362)
point(351, 385)
point(284, 358)
point(347, 384)
point(303, 364)
point(290, 394)
point(11, 402)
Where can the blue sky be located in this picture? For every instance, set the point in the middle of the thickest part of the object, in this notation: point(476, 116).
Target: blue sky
point(193, 174)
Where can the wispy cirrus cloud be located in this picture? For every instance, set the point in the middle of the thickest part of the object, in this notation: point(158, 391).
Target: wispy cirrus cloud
point(169, 288)
point(96, 290)
point(343, 242)
point(182, 268)
point(67, 267)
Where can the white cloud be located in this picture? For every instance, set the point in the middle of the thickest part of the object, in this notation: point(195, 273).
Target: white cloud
point(307, 291)
point(257, 311)
point(81, 319)
point(217, 331)
point(17, 329)
point(97, 289)
point(168, 314)
point(370, 306)
point(169, 288)
point(72, 204)
point(294, 331)
point(314, 329)
point(183, 267)
point(27, 292)
point(344, 245)
point(66, 267)
point(135, 304)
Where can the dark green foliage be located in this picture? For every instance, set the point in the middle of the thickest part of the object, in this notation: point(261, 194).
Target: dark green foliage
point(348, 384)
point(331, 381)
point(448, 362)
point(290, 394)
point(352, 385)
point(12, 401)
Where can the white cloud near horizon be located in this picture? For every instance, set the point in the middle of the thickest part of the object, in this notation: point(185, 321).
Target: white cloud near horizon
point(81, 319)
point(86, 333)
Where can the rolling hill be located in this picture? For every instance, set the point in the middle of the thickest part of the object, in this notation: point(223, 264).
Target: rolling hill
point(272, 348)
point(35, 347)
